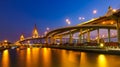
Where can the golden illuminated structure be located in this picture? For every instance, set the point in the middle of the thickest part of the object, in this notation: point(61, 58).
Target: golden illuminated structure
point(35, 32)
point(5, 42)
point(22, 37)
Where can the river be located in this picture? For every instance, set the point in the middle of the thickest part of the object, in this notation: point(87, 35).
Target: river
point(49, 57)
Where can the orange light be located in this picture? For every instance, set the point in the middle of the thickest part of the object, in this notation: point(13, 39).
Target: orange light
point(96, 38)
point(5, 41)
point(101, 45)
point(112, 22)
point(5, 59)
point(28, 41)
point(114, 10)
point(102, 61)
point(103, 22)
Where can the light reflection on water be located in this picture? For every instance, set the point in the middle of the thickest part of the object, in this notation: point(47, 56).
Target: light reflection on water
point(102, 61)
point(69, 59)
point(5, 59)
point(83, 60)
point(28, 58)
point(47, 57)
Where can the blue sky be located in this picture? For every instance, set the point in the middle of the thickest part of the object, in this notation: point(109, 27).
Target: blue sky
point(19, 16)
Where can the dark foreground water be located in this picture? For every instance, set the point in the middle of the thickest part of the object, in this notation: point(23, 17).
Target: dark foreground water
point(47, 57)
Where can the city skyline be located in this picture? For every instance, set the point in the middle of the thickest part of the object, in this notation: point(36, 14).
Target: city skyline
point(19, 17)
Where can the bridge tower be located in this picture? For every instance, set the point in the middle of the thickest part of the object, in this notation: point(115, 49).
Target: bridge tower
point(35, 32)
point(22, 37)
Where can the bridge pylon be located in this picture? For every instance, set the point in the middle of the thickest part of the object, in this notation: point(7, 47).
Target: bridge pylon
point(35, 32)
point(22, 37)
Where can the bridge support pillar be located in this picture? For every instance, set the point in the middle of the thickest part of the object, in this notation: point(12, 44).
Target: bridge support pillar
point(61, 39)
point(109, 35)
point(80, 36)
point(98, 36)
point(118, 30)
point(52, 40)
point(118, 35)
point(88, 35)
point(71, 38)
point(46, 39)
point(83, 38)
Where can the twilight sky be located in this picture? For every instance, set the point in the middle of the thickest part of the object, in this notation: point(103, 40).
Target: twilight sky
point(19, 16)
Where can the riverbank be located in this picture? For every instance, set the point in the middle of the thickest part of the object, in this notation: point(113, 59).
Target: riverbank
point(2, 48)
point(92, 49)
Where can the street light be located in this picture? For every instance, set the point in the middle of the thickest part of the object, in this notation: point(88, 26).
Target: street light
point(101, 45)
point(114, 10)
point(5, 41)
point(68, 21)
point(81, 18)
point(47, 28)
point(94, 11)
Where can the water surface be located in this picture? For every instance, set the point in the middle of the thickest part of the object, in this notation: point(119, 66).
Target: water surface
point(47, 57)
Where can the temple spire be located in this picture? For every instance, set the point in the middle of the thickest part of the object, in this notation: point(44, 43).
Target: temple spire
point(35, 32)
